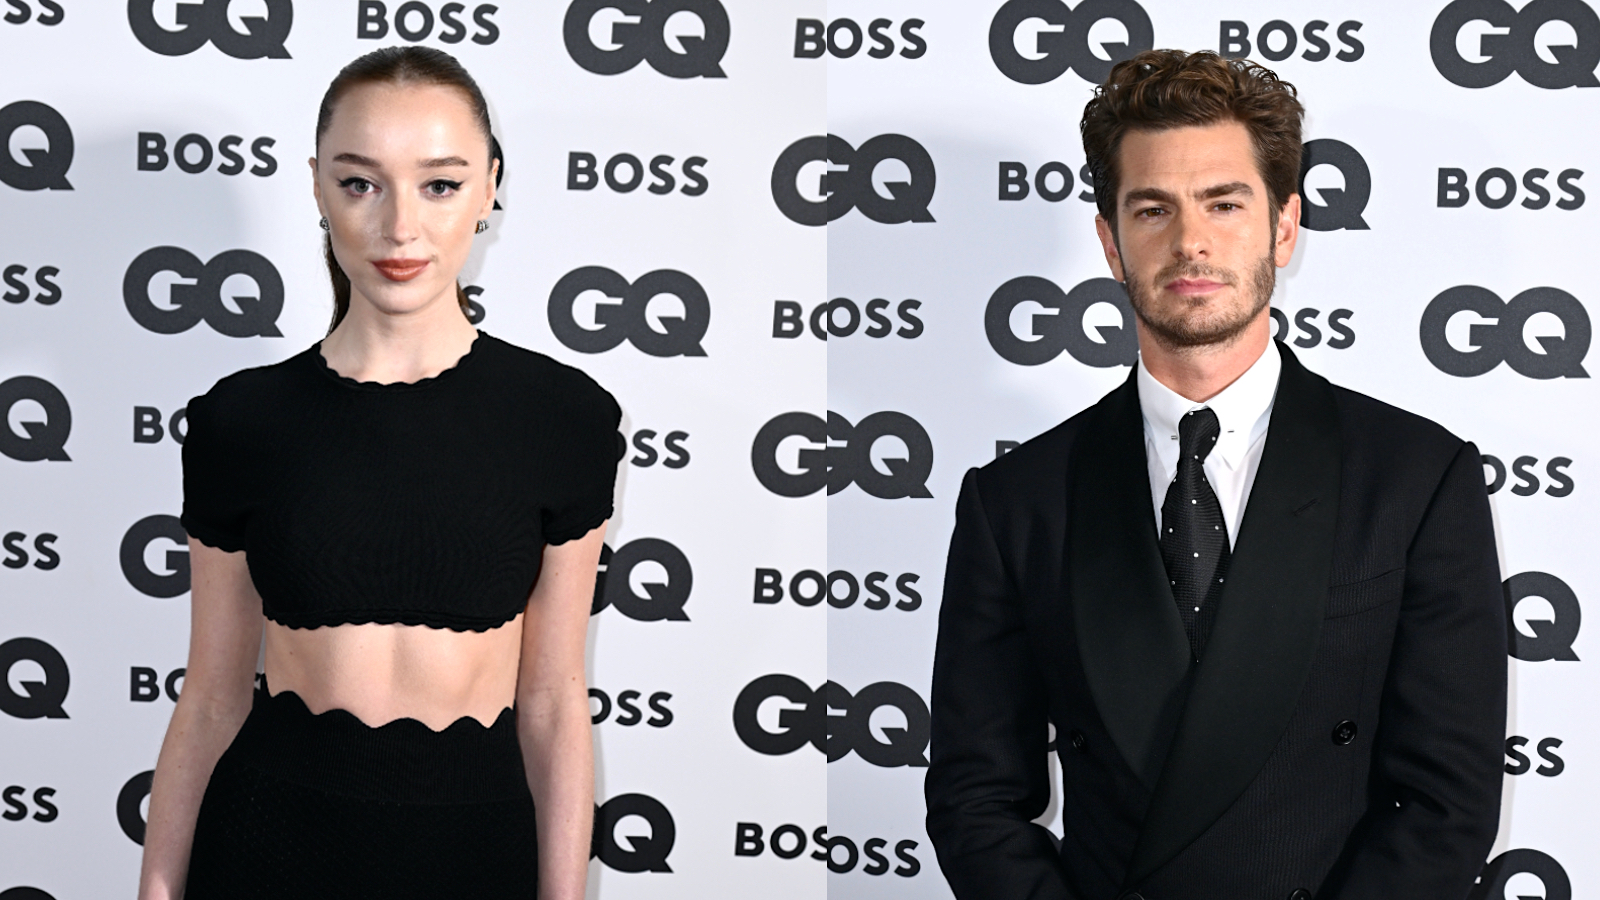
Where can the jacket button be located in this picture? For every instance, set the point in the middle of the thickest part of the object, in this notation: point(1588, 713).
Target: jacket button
point(1078, 741)
point(1300, 894)
point(1343, 733)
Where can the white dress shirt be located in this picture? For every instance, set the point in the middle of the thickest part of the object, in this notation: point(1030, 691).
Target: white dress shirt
point(1243, 410)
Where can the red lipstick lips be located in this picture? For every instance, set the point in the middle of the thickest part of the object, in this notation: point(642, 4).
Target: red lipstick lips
point(400, 269)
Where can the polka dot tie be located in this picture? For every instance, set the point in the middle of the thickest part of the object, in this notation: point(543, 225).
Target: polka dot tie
point(1194, 538)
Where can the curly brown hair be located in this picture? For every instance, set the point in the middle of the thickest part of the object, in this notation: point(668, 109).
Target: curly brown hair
point(1161, 89)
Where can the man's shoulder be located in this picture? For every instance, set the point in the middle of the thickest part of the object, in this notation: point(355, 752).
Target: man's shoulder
point(1368, 421)
point(1032, 467)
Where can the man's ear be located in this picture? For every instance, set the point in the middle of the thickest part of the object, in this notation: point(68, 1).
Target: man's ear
point(1288, 233)
point(1108, 243)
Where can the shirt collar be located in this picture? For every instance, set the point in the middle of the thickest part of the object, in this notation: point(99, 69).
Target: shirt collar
point(1242, 408)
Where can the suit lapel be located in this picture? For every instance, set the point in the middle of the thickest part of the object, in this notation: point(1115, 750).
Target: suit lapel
point(1135, 655)
point(1270, 615)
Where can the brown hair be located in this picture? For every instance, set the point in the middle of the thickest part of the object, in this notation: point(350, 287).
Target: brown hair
point(403, 66)
point(1161, 89)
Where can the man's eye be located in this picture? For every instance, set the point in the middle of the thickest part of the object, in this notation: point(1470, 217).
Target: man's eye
point(1151, 212)
point(1227, 206)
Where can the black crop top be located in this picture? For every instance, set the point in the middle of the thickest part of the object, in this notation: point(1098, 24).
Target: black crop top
point(426, 503)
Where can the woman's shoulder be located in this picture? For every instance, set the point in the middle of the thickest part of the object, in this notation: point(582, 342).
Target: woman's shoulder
point(551, 382)
point(250, 391)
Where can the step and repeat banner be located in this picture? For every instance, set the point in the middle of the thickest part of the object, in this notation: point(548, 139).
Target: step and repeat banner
point(157, 231)
point(902, 179)
point(1451, 176)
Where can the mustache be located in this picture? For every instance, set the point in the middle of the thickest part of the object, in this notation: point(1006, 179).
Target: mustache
point(1194, 271)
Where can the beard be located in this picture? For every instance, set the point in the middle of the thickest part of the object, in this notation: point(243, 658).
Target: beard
point(1186, 324)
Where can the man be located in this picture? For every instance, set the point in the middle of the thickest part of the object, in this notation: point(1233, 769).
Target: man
point(1263, 613)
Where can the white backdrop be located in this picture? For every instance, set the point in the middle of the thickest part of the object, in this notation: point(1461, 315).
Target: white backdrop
point(931, 135)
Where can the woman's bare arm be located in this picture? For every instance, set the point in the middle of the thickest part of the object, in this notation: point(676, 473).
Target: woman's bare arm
point(553, 722)
point(224, 643)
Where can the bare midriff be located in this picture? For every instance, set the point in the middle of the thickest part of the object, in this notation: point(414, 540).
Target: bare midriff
point(380, 673)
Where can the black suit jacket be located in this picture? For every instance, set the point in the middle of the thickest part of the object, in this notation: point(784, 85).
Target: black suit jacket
point(1364, 594)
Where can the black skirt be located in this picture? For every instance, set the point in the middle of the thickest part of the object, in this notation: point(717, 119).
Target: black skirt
point(306, 806)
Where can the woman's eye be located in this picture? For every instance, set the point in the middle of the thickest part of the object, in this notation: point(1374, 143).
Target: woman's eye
point(443, 188)
point(357, 185)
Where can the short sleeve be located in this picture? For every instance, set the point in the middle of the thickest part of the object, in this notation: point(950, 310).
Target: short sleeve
point(214, 511)
point(583, 474)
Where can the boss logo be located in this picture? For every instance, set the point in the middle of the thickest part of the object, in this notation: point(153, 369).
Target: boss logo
point(609, 37)
point(1052, 182)
point(847, 178)
point(39, 438)
point(1501, 333)
point(193, 154)
point(1497, 187)
point(1029, 321)
point(136, 545)
point(628, 712)
point(808, 720)
point(789, 841)
point(1035, 41)
point(644, 853)
point(44, 556)
point(842, 38)
point(636, 598)
point(196, 294)
point(842, 589)
point(1527, 480)
point(18, 292)
point(845, 456)
point(413, 21)
point(1310, 335)
point(21, 13)
point(1520, 764)
point(1506, 42)
point(1340, 207)
point(207, 21)
point(624, 173)
point(1542, 639)
point(39, 699)
point(622, 312)
point(147, 425)
point(1497, 875)
point(16, 801)
point(677, 454)
point(44, 168)
point(145, 684)
point(131, 805)
point(841, 317)
point(1276, 41)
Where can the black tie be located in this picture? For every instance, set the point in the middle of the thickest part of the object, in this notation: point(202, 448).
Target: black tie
point(1194, 538)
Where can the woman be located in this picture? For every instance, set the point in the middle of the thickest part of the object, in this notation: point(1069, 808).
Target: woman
point(417, 509)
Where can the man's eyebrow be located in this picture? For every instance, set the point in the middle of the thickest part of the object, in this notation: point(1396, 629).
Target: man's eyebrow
point(1239, 188)
point(437, 162)
point(1148, 193)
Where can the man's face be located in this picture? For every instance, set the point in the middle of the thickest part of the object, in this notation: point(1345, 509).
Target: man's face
point(1196, 240)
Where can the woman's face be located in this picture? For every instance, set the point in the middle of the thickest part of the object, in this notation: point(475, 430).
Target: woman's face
point(403, 176)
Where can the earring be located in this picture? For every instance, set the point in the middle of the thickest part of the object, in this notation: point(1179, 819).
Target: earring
point(324, 223)
point(483, 225)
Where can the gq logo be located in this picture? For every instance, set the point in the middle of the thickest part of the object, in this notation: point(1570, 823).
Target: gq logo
point(197, 294)
point(136, 542)
point(1551, 638)
point(1035, 41)
point(46, 167)
point(853, 184)
point(1497, 875)
point(1510, 43)
point(621, 312)
point(842, 455)
point(1012, 322)
point(207, 21)
point(662, 600)
point(39, 699)
point(130, 801)
point(609, 37)
point(808, 721)
point(37, 440)
point(643, 853)
point(1340, 208)
point(1503, 336)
